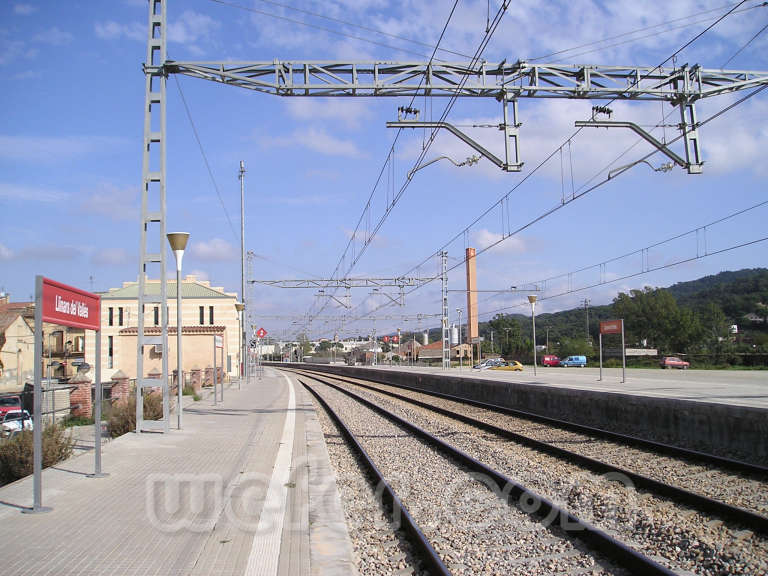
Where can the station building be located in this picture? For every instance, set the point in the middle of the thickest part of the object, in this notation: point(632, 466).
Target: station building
point(207, 312)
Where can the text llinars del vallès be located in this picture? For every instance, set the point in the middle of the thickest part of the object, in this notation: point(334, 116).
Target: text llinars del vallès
point(71, 307)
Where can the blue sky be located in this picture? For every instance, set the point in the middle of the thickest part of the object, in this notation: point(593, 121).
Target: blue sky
point(70, 153)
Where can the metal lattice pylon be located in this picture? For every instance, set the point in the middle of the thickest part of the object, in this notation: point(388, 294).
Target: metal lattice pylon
point(153, 216)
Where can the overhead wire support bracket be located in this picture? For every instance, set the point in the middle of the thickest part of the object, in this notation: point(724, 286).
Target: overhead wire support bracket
point(693, 168)
point(513, 167)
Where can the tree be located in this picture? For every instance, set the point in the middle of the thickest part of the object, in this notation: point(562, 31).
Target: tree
point(506, 333)
point(653, 315)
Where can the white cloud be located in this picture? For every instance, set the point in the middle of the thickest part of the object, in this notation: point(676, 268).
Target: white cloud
point(57, 252)
point(200, 275)
point(113, 202)
point(317, 140)
point(349, 112)
point(110, 257)
point(24, 9)
point(215, 249)
point(484, 238)
point(5, 252)
point(55, 37)
point(14, 50)
point(9, 191)
point(192, 28)
point(53, 149)
point(111, 30)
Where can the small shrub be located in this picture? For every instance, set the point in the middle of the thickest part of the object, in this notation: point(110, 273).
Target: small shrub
point(70, 421)
point(122, 418)
point(187, 391)
point(16, 454)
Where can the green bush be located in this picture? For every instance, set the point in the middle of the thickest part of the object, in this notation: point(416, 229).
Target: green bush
point(122, 416)
point(16, 454)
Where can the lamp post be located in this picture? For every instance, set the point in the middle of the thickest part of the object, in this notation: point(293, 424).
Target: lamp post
point(239, 306)
point(178, 242)
point(461, 350)
point(532, 300)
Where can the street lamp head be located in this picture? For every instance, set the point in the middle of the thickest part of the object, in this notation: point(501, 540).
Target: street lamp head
point(239, 306)
point(178, 242)
point(532, 298)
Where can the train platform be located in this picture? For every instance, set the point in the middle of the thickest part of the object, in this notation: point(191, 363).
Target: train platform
point(245, 488)
point(732, 387)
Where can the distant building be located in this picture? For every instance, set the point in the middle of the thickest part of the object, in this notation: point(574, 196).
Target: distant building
point(62, 348)
point(206, 312)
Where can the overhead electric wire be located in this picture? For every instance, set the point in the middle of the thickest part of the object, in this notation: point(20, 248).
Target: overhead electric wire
point(452, 100)
point(633, 275)
point(336, 20)
point(740, 50)
point(549, 157)
point(597, 43)
point(545, 281)
point(378, 180)
point(205, 158)
point(584, 192)
point(215, 184)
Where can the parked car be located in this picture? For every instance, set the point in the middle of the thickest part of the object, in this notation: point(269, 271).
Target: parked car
point(674, 362)
point(489, 363)
point(513, 365)
point(14, 421)
point(550, 360)
point(578, 361)
point(8, 403)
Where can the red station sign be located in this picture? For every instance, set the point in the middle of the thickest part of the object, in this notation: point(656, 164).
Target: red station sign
point(611, 327)
point(70, 306)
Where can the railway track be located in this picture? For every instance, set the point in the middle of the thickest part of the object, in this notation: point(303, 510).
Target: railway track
point(494, 525)
point(684, 529)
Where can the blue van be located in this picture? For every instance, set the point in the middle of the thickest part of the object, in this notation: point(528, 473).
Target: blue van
point(579, 361)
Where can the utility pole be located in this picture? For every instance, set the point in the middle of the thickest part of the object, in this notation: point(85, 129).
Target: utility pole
point(446, 343)
point(245, 346)
point(491, 341)
point(586, 310)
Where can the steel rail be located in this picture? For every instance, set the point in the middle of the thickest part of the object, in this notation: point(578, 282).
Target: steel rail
point(536, 505)
point(431, 557)
point(752, 520)
point(761, 472)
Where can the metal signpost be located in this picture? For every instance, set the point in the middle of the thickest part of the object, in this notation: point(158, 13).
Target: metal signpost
point(218, 342)
point(613, 327)
point(67, 306)
point(260, 334)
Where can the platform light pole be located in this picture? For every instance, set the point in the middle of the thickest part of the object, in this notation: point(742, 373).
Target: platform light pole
point(461, 350)
point(532, 300)
point(239, 306)
point(178, 242)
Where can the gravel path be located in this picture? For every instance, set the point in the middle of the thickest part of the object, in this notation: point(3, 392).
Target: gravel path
point(473, 530)
point(677, 537)
point(729, 487)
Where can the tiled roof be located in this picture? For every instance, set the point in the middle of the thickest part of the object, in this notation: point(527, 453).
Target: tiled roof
point(9, 312)
point(188, 290)
point(157, 330)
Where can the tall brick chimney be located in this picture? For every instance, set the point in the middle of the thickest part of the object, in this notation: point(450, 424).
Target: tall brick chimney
point(472, 329)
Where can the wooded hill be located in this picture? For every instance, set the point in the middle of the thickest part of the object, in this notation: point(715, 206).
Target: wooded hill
point(687, 318)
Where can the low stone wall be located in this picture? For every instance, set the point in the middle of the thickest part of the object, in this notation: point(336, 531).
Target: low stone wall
point(737, 432)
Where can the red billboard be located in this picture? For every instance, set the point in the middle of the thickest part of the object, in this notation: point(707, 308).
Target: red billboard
point(611, 327)
point(70, 306)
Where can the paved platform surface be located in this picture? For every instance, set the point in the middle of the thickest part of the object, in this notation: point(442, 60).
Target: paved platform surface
point(734, 387)
point(246, 488)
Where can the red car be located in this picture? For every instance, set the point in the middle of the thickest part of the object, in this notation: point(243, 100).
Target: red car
point(550, 360)
point(9, 403)
point(674, 362)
